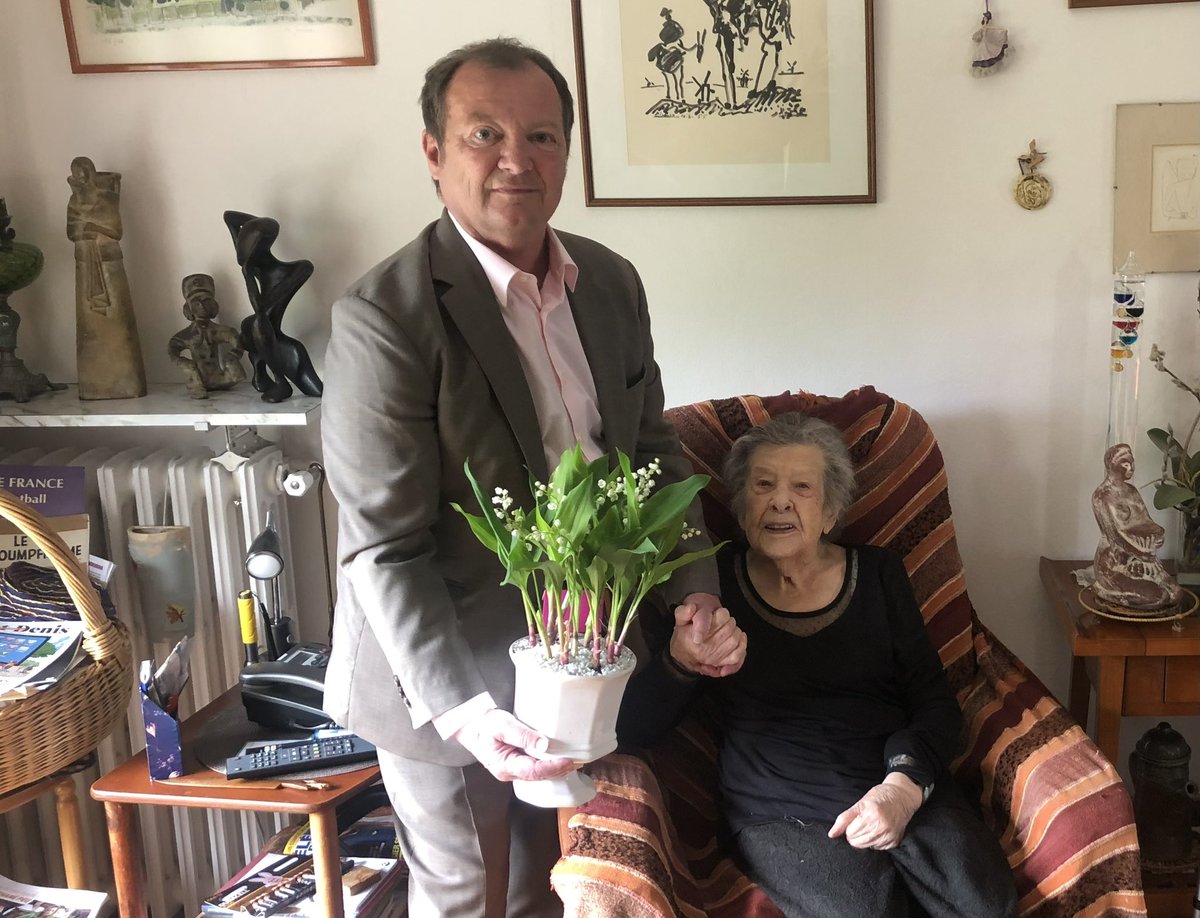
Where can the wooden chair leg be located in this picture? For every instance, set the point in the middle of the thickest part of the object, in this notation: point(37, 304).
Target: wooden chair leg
point(70, 830)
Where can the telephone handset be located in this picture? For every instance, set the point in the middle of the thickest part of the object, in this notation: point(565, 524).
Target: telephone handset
point(287, 693)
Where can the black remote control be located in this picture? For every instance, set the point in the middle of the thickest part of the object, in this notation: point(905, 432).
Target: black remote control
point(290, 756)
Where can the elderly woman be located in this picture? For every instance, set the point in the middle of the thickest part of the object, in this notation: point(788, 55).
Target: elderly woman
point(839, 728)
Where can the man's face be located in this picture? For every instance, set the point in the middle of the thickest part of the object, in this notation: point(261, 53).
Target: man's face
point(503, 160)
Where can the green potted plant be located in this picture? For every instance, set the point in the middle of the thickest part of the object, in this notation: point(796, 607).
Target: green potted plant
point(597, 539)
point(1178, 485)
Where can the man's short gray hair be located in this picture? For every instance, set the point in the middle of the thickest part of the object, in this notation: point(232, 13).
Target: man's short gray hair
point(794, 429)
point(498, 54)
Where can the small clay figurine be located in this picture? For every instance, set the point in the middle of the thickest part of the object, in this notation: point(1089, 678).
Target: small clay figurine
point(270, 285)
point(1128, 572)
point(215, 352)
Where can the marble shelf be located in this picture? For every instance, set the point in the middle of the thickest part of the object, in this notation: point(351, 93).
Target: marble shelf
point(165, 405)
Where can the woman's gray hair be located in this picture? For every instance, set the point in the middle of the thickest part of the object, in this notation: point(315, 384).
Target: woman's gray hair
point(794, 429)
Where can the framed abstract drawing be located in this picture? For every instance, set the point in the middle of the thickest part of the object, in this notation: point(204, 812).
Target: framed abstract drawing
point(707, 102)
point(107, 36)
point(1156, 211)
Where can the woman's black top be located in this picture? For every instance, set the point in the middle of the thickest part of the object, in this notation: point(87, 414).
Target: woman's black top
point(824, 700)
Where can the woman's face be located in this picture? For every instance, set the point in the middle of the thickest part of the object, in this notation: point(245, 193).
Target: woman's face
point(785, 513)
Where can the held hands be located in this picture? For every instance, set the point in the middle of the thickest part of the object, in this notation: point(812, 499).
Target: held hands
point(879, 819)
point(706, 639)
point(509, 749)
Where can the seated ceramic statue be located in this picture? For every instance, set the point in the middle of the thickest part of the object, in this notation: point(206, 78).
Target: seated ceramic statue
point(215, 360)
point(1128, 572)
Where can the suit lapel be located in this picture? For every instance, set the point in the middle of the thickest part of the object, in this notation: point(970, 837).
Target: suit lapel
point(464, 291)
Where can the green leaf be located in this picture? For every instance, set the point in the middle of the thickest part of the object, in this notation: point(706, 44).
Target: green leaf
point(1165, 441)
point(1169, 495)
point(670, 503)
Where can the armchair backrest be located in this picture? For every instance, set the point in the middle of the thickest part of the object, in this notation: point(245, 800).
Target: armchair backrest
point(901, 501)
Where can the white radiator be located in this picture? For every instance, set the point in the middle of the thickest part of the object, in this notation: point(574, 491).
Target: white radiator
point(189, 852)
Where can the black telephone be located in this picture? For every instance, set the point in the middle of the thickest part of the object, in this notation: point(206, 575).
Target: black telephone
point(286, 694)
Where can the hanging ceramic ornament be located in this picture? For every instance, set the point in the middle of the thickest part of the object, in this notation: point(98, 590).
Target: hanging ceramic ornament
point(992, 51)
point(1032, 190)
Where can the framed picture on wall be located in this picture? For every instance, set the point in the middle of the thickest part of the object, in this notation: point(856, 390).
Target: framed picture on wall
point(1156, 211)
point(106, 36)
point(688, 103)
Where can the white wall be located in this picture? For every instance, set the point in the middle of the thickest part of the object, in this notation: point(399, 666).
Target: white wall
point(993, 321)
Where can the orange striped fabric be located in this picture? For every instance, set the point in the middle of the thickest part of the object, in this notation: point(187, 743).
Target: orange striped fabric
point(647, 845)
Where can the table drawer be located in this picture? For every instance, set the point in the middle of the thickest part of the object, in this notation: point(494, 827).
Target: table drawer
point(1154, 686)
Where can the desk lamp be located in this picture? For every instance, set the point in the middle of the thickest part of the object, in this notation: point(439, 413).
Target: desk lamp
point(264, 562)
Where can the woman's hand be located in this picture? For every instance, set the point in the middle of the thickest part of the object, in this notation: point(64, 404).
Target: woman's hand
point(706, 639)
point(879, 819)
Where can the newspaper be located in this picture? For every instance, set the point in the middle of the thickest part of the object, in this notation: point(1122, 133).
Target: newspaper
point(19, 900)
point(35, 655)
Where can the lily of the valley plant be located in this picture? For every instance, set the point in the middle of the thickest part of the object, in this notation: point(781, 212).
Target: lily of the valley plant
point(1179, 484)
point(595, 542)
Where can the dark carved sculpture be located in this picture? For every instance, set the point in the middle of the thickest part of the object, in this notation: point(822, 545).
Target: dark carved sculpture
point(270, 284)
point(20, 264)
point(214, 350)
point(1128, 572)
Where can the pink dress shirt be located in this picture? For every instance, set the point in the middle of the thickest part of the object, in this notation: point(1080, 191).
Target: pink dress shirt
point(556, 369)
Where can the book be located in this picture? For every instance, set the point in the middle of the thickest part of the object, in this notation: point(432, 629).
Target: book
point(372, 835)
point(15, 545)
point(58, 493)
point(284, 884)
point(52, 490)
point(34, 655)
point(22, 899)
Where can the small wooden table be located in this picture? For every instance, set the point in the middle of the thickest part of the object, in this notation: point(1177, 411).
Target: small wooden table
point(129, 785)
point(1147, 669)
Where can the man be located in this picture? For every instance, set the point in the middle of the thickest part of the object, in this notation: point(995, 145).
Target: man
point(494, 339)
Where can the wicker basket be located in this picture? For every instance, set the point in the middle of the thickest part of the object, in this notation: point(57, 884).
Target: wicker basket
point(54, 727)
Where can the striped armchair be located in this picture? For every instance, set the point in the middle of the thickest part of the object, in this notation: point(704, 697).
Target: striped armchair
point(647, 846)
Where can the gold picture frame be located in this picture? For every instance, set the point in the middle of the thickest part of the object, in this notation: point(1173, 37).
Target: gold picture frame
point(113, 36)
point(687, 104)
point(1156, 208)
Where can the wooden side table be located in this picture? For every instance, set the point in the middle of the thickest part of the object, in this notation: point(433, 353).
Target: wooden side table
point(129, 785)
point(1137, 669)
point(1147, 669)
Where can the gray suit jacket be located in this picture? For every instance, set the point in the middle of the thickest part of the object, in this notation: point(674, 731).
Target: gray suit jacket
point(421, 374)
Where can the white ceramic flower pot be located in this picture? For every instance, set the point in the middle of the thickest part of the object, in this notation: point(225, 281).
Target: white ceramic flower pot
point(575, 707)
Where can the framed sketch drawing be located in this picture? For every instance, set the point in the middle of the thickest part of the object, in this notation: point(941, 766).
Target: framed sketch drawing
point(1156, 211)
point(1084, 4)
point(106, 36)
point(703, 102)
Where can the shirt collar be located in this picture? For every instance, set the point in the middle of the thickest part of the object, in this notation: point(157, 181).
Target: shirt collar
point(500, 272)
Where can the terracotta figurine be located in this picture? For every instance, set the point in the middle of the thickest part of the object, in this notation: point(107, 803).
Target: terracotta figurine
point(108, 353)
point(215, 354)
point(270, 284)
point(1128, 572)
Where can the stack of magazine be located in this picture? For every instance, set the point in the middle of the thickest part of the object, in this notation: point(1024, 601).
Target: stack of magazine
point(280, 881)
point(40, 630)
